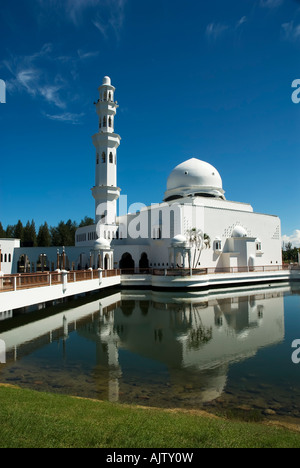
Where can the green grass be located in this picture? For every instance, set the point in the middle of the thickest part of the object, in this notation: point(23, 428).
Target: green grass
point(30, 419)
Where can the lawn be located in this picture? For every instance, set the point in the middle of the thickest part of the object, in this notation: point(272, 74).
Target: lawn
point(30, 419)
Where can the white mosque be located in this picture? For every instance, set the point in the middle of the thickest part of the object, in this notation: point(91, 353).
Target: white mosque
point(193, 228)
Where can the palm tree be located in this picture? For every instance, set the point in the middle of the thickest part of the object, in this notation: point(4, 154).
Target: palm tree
point(195, 239)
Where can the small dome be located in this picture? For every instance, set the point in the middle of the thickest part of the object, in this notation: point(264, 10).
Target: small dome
point(106, 81)
point(239, 231)
point(194, 177)
point(101, 244)
point(179, 241)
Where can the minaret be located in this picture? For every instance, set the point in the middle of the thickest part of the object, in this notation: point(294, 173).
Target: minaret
point(106, 143)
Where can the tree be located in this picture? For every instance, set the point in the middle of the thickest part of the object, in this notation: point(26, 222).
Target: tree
point(30, 234)
point(2, 232)
point(44, 236)
point(86, 221)
point(64, 233)
point(290, 254)
point(19, 231)
point(195, 238)
point(10, 231)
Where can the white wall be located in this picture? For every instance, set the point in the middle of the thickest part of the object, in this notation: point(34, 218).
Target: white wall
point(8, 247)
point(22, 298)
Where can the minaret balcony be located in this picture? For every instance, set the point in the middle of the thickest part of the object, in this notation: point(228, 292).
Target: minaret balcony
point(106, 139)
point(106, 193)
point(106, 107)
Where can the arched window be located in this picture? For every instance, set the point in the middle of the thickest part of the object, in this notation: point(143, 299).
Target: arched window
point(109, 122)
point(97, 159)
point(9, 258)
point(111, 158)
point(100, 123)
point(109, 96)
point(103, 157)
point(104, 121)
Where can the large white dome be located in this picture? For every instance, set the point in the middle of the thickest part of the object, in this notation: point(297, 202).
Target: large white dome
point(194, 178)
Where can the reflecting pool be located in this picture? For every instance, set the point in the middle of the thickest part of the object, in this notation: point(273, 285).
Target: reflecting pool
point(221, 351)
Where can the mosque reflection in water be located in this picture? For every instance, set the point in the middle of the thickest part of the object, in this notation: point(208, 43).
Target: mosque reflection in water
point(195, 339)
point(144, 347)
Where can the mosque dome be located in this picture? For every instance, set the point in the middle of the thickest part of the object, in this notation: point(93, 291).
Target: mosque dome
point(194, 178)
point(179, 241)
point(239, 231)
point(106, 81)
point(101, 244)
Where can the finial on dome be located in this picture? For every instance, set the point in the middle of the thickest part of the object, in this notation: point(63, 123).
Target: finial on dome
point(106, 81)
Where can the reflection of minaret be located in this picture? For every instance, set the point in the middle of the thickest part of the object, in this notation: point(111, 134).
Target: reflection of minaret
point(111, 339)
point(106, 142)
point(65, 334)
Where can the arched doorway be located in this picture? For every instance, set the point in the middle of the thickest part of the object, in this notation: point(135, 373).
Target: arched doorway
point(106, 262)
point(127, 263)
point(144, 262)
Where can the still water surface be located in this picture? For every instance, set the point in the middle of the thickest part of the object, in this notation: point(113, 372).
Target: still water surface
point(217, 351)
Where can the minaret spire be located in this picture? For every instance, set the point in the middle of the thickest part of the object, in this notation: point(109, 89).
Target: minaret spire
point(106, 142)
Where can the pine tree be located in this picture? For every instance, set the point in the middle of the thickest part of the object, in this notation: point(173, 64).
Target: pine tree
point(2, 232)
point(30, 234)
point(33, 234)
point(19, 231)
point(44, 236)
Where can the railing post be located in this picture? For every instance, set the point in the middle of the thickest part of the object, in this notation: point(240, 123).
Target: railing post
point(15, 283)
point(100, 273)
point(64, 280)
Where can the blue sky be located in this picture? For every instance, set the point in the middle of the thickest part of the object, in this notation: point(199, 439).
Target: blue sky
point(211, 80)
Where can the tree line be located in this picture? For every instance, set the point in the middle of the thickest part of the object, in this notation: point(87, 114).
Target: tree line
point(45, 235)
point(290, 253)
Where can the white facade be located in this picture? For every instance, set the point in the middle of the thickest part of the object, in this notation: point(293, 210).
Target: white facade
point(7, 249)
point(194, 227)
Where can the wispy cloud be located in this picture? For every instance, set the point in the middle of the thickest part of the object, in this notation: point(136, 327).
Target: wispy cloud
point(105, 15)
point(215, 30)
point(82, 55)
point(294, 239)
point(110, 17)
point(241, 21)
point(51, 78)
point(68, 117)
point(29, 76)
point(291, 31)
point(270, 3)
point(73, 10)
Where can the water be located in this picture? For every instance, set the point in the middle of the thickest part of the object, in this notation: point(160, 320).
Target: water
point(223, 352)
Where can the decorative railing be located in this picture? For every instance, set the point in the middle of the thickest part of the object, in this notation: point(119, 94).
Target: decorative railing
point(206, 271)
point(34, 280)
